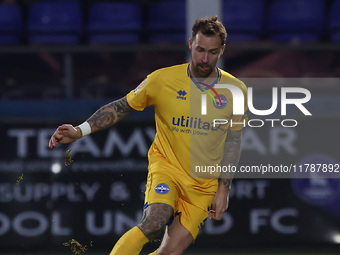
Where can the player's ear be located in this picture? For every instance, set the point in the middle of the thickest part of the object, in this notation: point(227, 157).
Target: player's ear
point(222, 50)
point(190, 43)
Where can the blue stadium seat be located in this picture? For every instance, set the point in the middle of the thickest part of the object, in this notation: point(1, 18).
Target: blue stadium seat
point(334, 21)
point(10, 24)
point(114, 23)
point(296, 20)
point(166, 22)
point(55, 22)
point(244, 19)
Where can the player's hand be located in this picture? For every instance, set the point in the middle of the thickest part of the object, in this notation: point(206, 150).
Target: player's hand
point(219, 204)
point(64, 134)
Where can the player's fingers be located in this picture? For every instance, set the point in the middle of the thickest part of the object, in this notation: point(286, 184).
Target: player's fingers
point(215, 218)
point(212, 212)
point(58, 136)
point(52, 143)
point(216, 215)
point(55, 139)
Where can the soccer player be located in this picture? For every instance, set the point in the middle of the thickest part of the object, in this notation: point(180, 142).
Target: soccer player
point(178, 198)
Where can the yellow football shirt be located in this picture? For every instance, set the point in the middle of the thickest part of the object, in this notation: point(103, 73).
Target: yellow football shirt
point(184, 136)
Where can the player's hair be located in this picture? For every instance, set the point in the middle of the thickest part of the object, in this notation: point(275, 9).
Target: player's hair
point(209, 26)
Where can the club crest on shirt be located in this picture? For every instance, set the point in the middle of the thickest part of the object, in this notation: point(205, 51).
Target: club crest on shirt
point(141, 85)
point(162, 188)
point(218, 104)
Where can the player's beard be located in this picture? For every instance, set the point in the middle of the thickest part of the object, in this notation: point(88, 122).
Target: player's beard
point(200, 73)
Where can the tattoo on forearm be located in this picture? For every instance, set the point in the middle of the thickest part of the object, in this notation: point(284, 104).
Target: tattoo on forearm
point(225, 182)
point(109, 114)
point(232, 152)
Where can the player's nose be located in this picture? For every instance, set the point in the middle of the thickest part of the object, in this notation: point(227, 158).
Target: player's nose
point(205, 58)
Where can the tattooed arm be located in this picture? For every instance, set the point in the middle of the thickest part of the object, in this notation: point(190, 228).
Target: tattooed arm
point(109, 114)
point(103, 118)
point(232, 152)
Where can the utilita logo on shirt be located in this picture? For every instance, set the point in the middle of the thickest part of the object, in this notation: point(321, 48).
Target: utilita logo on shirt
point(191, 122)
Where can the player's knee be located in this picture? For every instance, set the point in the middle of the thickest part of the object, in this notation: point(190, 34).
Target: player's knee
point(152, 229)
point(154, 220)
point(152, 226)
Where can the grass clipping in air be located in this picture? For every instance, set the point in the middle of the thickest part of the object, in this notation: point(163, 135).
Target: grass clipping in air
point(20, 178)
point(75, 246)
point(68, 159)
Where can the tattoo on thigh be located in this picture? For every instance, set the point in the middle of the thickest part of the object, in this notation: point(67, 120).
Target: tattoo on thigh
point(154, 220)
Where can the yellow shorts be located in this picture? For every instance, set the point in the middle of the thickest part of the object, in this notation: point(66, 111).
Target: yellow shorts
point(166, 184)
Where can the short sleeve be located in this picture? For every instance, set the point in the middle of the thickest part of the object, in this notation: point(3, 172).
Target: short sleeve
point(145, 94)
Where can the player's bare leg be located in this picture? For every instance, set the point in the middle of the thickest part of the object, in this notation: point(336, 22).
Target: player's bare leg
point(176, 239)
point(154, 220)
point(153, 223)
